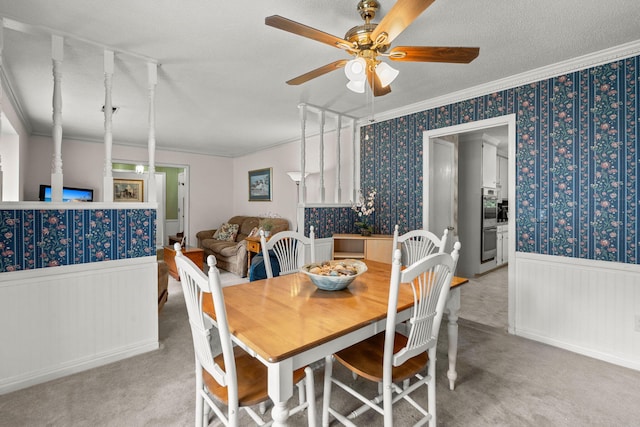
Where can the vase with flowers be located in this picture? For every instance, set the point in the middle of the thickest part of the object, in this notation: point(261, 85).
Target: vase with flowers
point(363, 208)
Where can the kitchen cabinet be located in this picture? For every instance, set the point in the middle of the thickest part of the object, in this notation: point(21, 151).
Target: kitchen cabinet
point(489, 165)
point(502, 246)
point(503, 178)
point(377, 247)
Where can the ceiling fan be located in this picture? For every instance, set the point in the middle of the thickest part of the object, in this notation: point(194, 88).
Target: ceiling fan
point(369, 41)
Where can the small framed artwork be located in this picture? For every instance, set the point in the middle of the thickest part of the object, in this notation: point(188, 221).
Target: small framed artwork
point(260, 185)
point(128, 190)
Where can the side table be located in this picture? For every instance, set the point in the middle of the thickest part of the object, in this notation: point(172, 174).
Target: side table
point(194, 254)
point(253, 249)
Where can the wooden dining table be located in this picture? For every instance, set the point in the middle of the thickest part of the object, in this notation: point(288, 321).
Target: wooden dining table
point(287, 323)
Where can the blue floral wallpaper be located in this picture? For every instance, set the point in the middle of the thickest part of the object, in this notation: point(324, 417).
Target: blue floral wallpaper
point(34, 238)
point(576, 159)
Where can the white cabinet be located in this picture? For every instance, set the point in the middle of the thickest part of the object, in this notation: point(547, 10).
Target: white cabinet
point(503, 178)
point(502, 256)
point(489, 165)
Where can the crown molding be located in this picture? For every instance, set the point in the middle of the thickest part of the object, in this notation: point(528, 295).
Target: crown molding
point(569, 66)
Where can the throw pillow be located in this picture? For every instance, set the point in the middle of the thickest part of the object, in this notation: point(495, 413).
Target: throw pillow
point(226, 232)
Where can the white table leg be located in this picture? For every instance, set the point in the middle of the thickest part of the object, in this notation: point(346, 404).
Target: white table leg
point(280, 390)
point(452, 309)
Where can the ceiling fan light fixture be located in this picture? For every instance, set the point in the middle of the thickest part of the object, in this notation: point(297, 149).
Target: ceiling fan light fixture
point(386, 73)
point(355, 70)
point(355, 86)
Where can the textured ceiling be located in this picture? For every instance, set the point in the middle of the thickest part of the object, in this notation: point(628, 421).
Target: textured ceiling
point(221, 81)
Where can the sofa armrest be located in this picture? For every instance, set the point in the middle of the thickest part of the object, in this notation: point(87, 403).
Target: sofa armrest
point(204, 234)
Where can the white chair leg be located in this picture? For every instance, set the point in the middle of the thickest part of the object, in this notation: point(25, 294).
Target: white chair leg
point(326, 394)
point(301, 398)
point(311, 396)
point(431, 388)
point(262, 407)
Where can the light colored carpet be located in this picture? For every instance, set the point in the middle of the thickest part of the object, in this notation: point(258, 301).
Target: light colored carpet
point(485, 299)
point(502, 381)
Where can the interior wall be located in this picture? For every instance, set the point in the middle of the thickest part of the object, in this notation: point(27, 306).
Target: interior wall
point(286, 157)
point(83, 165)
point(11, 115)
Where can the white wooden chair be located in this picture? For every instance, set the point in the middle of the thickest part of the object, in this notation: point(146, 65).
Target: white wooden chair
point(417, 244)
point(289, 248)
point(232, 378)
point(390, 358)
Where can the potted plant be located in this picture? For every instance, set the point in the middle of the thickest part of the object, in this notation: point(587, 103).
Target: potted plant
point(363, 209)
point(267, 226)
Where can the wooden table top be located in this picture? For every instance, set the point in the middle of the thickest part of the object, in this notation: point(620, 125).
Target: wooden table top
point(286, 315)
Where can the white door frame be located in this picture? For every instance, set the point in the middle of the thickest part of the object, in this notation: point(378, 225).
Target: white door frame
point(510, 121)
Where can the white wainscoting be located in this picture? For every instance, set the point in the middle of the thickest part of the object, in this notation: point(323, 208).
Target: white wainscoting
point(588, 307)
point(60, 320)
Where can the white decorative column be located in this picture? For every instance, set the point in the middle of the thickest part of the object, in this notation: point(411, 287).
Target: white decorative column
point(338, 160)
point(321, 156)
point(57, 55)
point(354, 189)
point(1, 51)
point(303, 144)
point(302, 187)
point(152, 70)
point(107, 186)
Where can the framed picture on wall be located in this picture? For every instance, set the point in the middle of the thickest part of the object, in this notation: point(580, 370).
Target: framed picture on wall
point(260, 185)
point(128, 190)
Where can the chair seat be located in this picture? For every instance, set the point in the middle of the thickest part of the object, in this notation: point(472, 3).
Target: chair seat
point(366, 357)
point(252, 379)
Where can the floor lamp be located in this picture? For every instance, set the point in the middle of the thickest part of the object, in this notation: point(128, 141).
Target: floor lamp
point(296, 176)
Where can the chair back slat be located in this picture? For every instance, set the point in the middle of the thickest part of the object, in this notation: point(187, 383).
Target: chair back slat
point(417, 244)
point(289, 247)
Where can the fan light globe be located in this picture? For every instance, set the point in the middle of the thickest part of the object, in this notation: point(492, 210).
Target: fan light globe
point(355, 70)
point(386, 73)
point(355, 86)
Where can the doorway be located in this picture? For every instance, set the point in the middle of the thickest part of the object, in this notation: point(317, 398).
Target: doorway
point(172, 196)
point(440, 171)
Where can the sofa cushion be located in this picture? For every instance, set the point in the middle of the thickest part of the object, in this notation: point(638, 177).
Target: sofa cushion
point(226, 232)
point(218, 246)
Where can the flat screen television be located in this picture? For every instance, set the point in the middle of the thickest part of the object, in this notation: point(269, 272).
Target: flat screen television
point(69, 194)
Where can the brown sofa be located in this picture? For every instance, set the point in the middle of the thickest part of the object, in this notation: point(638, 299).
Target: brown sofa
point(232, 256)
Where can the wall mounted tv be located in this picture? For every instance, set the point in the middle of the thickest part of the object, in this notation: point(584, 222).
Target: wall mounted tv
point(69, 194)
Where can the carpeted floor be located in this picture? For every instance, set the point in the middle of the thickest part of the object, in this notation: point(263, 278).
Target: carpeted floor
point(503, 381)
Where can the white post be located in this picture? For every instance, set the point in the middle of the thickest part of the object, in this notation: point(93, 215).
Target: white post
point(302, 186)
point(107, 186)
point(57, 55)
point(355, 160)
point(303, 142)
point(321, 156)
point(338, 161)
point(1, 48)
point(153, 80)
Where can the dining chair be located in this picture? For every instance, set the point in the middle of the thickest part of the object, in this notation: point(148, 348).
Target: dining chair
point(390, 358)
point(232, 377)
point(417, 244)
point(289, 249)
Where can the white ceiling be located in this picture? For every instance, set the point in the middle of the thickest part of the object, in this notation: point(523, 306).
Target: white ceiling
point(221, 81)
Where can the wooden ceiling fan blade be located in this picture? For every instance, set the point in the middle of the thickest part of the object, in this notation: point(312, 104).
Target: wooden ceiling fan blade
point(317, 72)
point(401, 15)
point(457, 55)
point(374, 83)
point(294, 27)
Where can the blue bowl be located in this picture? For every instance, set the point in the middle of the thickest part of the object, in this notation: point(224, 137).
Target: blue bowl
point(336, 282)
